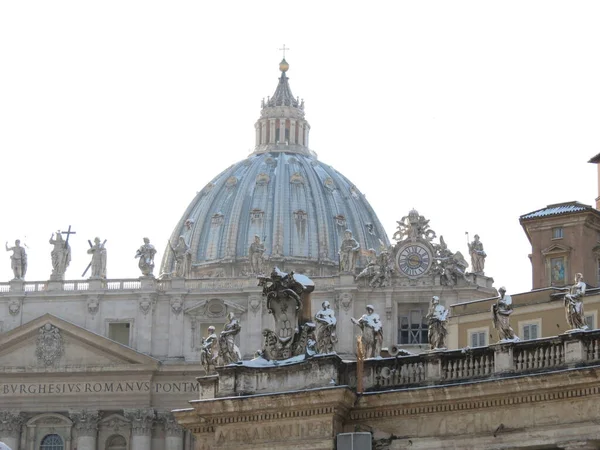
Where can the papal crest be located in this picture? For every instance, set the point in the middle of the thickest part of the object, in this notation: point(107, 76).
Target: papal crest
point(49, 345)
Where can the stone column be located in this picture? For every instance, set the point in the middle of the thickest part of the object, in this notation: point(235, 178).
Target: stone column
point(344, 310)
point(263, 132)
point(173, 432)
point(292, 131)
point(10, 428)
point(176, 328)
point(282, 131)
point(272, 131)
point(257, 134)
point(86, 424)
point(301, 133)
point(142, 420)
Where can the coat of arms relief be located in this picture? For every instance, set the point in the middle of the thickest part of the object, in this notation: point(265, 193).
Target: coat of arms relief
point(49, 345)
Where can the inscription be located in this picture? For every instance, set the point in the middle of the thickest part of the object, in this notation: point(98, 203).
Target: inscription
point(277, 432)
point(60, 388)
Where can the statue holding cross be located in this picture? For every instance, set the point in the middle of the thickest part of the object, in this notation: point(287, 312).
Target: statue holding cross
point(61, 254)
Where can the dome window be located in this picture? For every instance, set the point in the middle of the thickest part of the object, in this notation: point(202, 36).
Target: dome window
point(340, 220)
point(217, 219)
point(297, 179)
point(256, 214)
point(329, 184)
point(231, 181)
point(300, 215)
point(262, 179)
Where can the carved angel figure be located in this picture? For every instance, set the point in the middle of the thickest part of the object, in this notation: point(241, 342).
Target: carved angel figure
point(451, 266)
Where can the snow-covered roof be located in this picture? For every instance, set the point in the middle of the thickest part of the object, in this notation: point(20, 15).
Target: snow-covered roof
point(557, 209)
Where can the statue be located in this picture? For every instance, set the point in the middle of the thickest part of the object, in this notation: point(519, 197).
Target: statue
point(257, 248)
point(18, 260)
point(183, 258)
point(451, 266)
point(437, 317)
point(348, 252)
point(229, 352)
point(61, 256)
point(284, 292)
point(146, 254)
point(378, 270)
point(477, 255)
point(98, 263)
point(208, 352)
point(501, 311)
point(372, 332)
point(326, 333)
point(574, 304)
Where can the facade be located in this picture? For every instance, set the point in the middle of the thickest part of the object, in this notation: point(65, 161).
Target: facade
point(98, 364)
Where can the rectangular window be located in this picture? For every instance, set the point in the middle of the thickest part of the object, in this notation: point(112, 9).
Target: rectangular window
point(412, 329)
point(590, 322)
point(119, 332)
point(478, 339)
point(557, 233)
point(530, 331)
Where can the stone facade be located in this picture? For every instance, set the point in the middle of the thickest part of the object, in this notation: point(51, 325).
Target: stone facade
point(486, 398)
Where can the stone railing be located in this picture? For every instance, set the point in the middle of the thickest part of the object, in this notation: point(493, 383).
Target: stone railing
point(205, 284)
point(497, 360)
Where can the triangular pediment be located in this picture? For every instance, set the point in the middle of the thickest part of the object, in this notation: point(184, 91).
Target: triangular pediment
point(214, 307)
point(556, 248)
point(53, 343)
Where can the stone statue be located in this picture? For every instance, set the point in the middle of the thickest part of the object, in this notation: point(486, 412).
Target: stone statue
point(348, 252)
point(326, 329)
point(229, 352)
point(451, 266)
point(372, 332)
point(501, 311)
point(183, 258)
point(146, 254)
point(378, 270)
point(208, 352)
point(574, 304)
point(257, 248)
point(284, 292)
point(18, 260)
point(61, 256)
point(477, 255)
point(437, 317)
point(98, 263)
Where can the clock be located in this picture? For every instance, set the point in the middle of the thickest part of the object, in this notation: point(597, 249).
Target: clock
point(414, 259)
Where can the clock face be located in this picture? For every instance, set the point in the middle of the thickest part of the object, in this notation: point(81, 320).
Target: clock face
point(414, 260)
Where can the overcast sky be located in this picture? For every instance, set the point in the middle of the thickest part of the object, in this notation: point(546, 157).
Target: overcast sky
point(114, 114)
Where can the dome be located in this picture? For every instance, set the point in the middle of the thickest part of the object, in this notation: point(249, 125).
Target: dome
point(298, 206)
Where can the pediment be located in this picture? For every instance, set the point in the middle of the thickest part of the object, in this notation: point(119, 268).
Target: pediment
point(556, 248)
point(214, 307)
point(49, 342)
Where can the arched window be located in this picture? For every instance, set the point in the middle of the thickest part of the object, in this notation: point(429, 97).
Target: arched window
point(52, 442)
point(116, 442)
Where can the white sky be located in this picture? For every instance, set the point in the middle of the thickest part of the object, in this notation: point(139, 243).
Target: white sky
point(113, 114)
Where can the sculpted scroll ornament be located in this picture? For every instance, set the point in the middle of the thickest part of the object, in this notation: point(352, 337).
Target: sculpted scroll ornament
point(14, 306)
point(86, 422)
point(93, 304)
point(176, 305)
point(49, 345)
point(172, 428)
point(10, 423)
point(141, 420)
point(344, 300)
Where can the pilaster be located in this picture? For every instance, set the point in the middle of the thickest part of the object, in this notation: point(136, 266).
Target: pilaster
point(141, 420)
point(173, 432)
point(10, 428)
point(86, 425)
point(176, 328)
